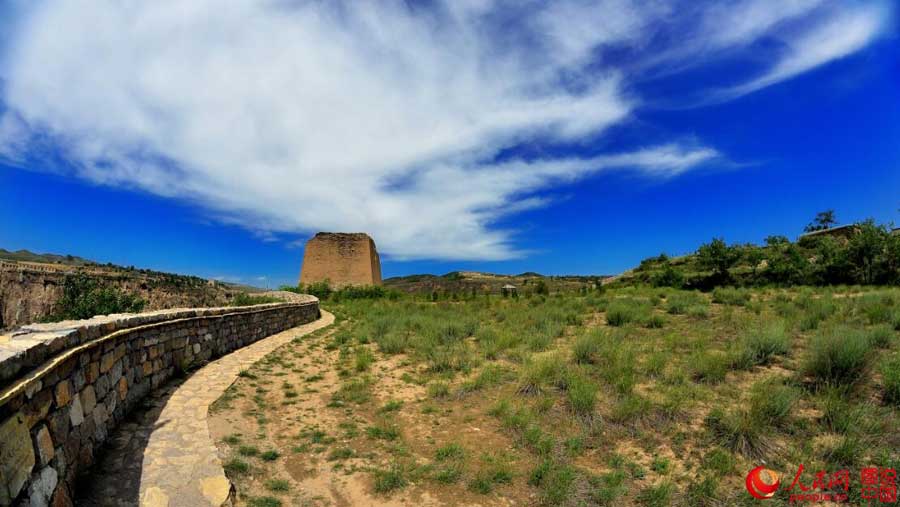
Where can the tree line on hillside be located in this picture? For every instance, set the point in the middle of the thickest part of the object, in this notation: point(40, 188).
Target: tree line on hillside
point(867, 254)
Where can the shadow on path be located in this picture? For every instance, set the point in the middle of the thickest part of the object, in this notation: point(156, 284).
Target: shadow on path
point(115, 479)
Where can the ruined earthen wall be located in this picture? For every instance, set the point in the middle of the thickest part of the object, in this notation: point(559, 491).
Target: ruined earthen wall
point(65, 386)
point(343, 259)
point(29, 291)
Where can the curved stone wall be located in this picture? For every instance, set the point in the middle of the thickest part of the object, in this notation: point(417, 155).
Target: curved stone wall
point(64, 386)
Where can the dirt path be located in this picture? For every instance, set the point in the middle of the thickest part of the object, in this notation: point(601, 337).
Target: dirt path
point(328, 455)
point(164, 456)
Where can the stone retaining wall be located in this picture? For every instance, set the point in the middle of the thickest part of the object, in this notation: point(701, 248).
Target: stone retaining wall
point(64, 386)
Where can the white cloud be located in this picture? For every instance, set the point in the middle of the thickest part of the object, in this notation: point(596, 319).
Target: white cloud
point(834, 37)
point(292, 117)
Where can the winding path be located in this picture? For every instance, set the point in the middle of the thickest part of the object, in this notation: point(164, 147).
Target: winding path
point(166, 457)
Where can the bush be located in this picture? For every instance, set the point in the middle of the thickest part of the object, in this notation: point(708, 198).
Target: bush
point(709, 367)
point(890, 372)
point(656, 496)
point(668, 277)
point(321, 290)
point(585, 348)
point(731, 296)
point(815, 311)
point(881, 336)
point(582, 396)
point(739, 431)
point(758, 345)
point(771, 402)
point(84, 297)
point(390, 479)
point(392, 343)
point(543, 371)
point(698, 311)
point(679, 302)
point(839, 357)
point(621, 313)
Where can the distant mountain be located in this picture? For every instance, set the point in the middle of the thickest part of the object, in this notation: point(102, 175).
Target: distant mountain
point(27, 256)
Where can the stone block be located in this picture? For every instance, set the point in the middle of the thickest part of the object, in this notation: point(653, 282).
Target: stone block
point(38, 408)
point(16, 457)
point(44, 445)
point(122, 388)
point(63, 393)
point(88, 399)
point(59, 425)
point(92, 372)
point(76, 412)
point(43, 486)
point(107, 361)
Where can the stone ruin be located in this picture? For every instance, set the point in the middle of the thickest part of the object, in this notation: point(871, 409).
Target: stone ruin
point(341, 258)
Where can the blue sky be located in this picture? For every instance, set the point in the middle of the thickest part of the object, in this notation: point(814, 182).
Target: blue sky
point(563, 137)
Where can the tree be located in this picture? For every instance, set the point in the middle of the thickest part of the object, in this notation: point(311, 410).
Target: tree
point(824, 220)
point(668, 277)
point(718, 257)
point(866, 251)
point(84, 297)
point(776, 240)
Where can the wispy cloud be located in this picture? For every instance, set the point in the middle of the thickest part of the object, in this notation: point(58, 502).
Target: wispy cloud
point(291, 117)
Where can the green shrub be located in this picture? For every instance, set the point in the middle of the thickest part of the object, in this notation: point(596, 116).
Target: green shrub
point(881, 336)
point(698, 311)
point(719, 461)
point(738, 431)
point(656, 496)
point(391, 406)
point(392, 343)
point(731, 296)
point(877, 308)
point(438, 390)
point(618, 314)
point(495, 470)
point(357, 390)
point(839, 357)
point(279, 485)
point(771, 402)
point(678, 303)
point(840, 416)
point(815, 311)
point(390, 479)
point(84, 297)
point(890, 372)
point(384, 430)
point(847, 452)
point(759, 345)
point(235, 466)
point(557, 482)
point(264, 501)
point(585, 349)
point(363, 359)
point(546, 370)
point(708, 367)
point(654, 321)
point(449, 451)
point(582, 396)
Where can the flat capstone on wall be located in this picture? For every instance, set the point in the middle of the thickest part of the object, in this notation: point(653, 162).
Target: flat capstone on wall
point(65, 386)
